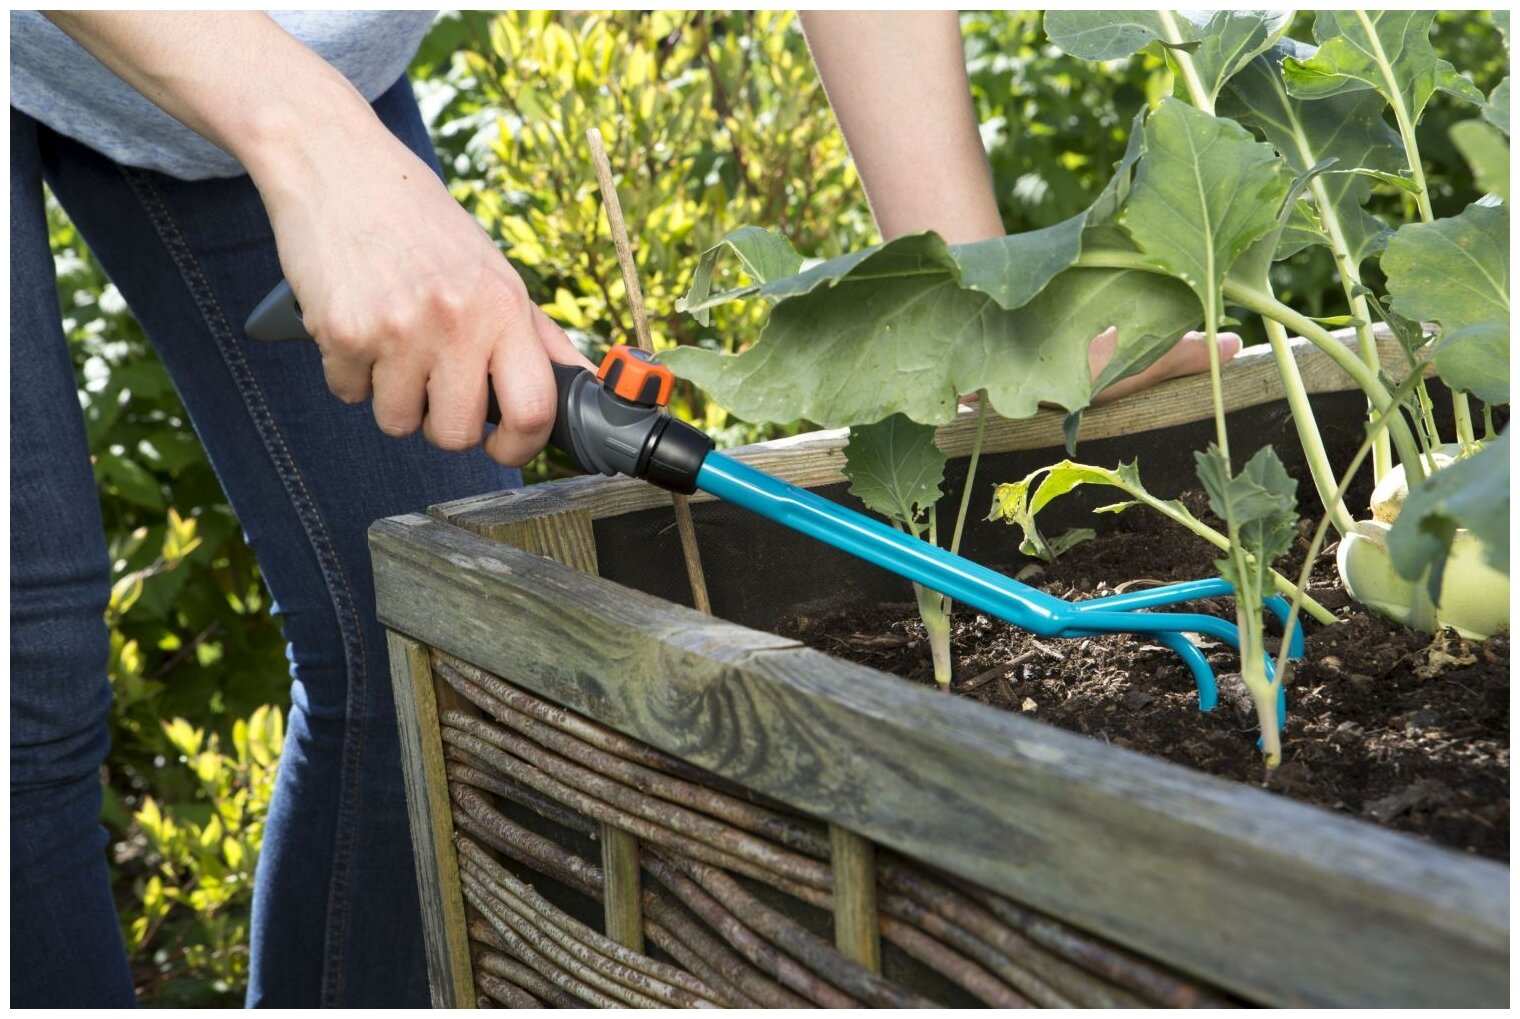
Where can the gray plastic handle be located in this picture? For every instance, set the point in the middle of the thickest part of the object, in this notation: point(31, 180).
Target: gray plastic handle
point(277, 317)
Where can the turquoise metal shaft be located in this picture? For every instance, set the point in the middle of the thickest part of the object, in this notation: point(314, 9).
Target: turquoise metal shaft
point(968, 582)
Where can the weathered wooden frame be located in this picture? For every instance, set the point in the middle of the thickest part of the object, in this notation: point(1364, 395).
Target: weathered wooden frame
point(1276, 901)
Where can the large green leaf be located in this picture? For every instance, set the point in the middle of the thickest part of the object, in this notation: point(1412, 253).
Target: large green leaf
point(1349, 129)
point(1386, 51)
point(1471, 493)
point(1205, 190)
point(1487, 151)
point(911, 344)
point(1262, 504)
point(1454, 271)
point(1113, 35)
point(895, 468)
point(1228, 41)
point(907, 326)
point(1215, 43)
point(1475, 359)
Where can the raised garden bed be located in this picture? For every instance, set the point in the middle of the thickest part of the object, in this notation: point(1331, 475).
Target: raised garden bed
point(966, 854)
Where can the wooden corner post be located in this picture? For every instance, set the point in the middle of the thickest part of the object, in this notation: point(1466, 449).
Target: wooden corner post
point(427, 803)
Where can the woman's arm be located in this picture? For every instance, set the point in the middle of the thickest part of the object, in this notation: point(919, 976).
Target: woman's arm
point(897, 83)
point(407, 296)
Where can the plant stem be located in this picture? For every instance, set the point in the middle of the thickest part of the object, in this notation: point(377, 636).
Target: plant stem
point(1253, 670)
point(1488, 422)
point(1462, 411)
point(1184, 62)
point(976, 455)
point(935, 608)
point(1350, 274)
point(937, 626)
point(1265, 304)
point(1401, 115)
point(1308, 429)
point(1377, 426)
point(1268, 306)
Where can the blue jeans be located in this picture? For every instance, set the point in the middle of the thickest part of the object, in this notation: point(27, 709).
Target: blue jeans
point(335, 915)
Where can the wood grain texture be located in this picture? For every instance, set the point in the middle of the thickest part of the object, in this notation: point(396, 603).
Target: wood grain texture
point(427, 802)
point(567, 539)
point(817, 458)
point(623, 903)
point(856, 931)
point(1283, 903)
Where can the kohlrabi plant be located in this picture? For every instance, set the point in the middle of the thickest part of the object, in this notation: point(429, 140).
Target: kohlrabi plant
point(1267, 145)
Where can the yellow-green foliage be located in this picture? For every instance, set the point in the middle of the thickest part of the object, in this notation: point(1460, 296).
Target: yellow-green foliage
point(711, 121)
point(203, 856)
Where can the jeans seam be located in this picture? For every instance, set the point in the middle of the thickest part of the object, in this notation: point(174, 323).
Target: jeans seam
point(339, 590)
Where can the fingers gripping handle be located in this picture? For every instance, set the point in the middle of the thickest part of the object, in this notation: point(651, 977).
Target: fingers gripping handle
point(602, 431)
point(278, 317)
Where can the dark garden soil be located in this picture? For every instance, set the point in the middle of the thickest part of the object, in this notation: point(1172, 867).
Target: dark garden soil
point(1384, 723)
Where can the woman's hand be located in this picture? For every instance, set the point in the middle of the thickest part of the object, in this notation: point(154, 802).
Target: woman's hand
point(1189, 356)
point(412, 304)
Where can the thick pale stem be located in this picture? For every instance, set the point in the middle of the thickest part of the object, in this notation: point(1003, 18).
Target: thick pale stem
point(1462, 411)
point(1377, 426)
point(1185, 66)
point(1382, 453)
point(1268, 306)
point(1365, 377)
point(937, 626)
point(1253, 671)
point(1401, 116)
point(1308, 429)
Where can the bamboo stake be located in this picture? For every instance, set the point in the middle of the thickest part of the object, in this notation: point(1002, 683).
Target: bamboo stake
point(641, 332)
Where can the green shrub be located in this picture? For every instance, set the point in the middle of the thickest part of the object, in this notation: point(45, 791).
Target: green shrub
point(710, 121)
point(189, 939)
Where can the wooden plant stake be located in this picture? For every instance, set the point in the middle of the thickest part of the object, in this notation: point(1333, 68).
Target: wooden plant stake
point(641, 332)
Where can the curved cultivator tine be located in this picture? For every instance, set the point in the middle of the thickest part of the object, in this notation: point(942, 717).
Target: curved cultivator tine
point(1117, 613)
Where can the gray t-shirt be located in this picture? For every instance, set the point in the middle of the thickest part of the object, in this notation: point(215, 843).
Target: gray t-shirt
point(55, 81)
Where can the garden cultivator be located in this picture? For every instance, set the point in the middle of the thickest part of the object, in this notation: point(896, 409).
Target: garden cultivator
point(613, 423)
